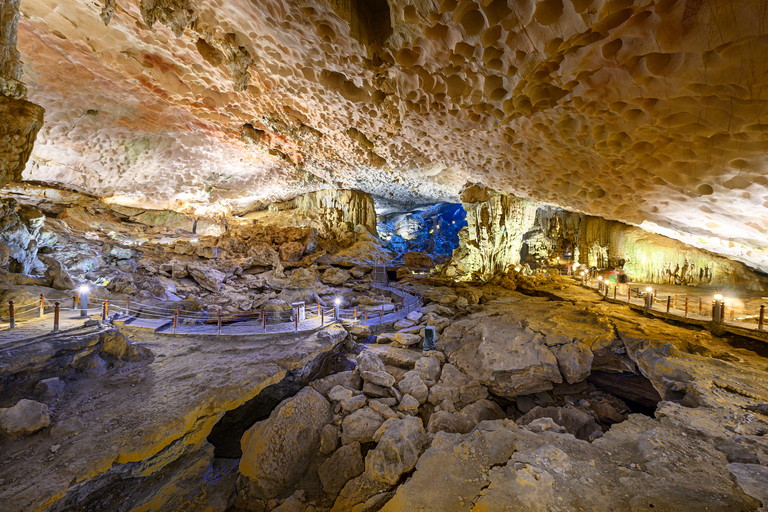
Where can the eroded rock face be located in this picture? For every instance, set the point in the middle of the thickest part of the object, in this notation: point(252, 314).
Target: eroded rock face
point(606, 108)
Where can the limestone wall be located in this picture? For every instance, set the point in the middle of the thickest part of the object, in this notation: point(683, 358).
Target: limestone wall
point(334, 209)
point(645, 256)
point(20, 120)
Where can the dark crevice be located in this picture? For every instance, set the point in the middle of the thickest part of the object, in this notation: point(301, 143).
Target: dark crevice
point(636, 390)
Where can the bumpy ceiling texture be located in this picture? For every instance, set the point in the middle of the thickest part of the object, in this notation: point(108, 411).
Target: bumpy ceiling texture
point(653, 113)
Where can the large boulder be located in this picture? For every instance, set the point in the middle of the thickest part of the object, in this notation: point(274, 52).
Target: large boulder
point(55, 274)
point(278, 450)
point(360, 426)
point(291, 251)
point(400, 443)
point(345, 464)
point(24, 418)
point(412, 384)
point(335, 276)
point(502, 353)
point(575, 361)
point(575, 421)
point(207, 277)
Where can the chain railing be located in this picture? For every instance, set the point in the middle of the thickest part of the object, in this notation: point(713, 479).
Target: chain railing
point(718, 309)
point(173, 317)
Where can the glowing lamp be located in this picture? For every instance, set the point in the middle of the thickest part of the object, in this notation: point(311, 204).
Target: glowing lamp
point(338, 301)
point(718, 297)
point(600, 278)
point(649, 289)
point(83, 289)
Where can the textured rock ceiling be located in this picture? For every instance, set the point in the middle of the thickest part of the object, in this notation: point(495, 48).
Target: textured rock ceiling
point(653, 113)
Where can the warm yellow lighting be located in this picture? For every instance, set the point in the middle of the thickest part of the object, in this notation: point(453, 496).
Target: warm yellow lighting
point(338, 301)
point(718, 297)
point(649, 289)
point(83, 289)
point(600, 278)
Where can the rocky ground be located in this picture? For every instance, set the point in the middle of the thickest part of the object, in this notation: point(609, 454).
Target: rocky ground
point(512, 411)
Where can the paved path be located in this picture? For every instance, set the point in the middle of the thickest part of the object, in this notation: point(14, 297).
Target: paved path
point(30, 326)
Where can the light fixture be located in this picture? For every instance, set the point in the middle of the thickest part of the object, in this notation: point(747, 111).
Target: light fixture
point(718, 297)
point(649, 289)
point(600, 278)
point(84, 289)
point(338, 301)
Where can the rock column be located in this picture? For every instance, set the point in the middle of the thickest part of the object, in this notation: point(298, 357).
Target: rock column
point(20, 120)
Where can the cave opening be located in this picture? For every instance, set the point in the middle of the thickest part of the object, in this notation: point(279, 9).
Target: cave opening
point(433, 230)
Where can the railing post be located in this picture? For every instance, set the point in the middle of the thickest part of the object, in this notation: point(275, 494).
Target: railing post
point(264, 320)
point(675, 302)
point(629, 293)
point(762, 317)
point(127, 304)
point(365, 317)
point(42, 304)
point(322, 315)
point(55, 316)
point(733, 313)
point(381, 313)
point(175, 319)
point(355, 312)
point(103, 311)
point(296, 321)
point(700, 311)
point(669, 302)
point(74, 300)
point(686, 307)
point(615, 290)
point(12, 314)
point(106, 309)
point(219, 321)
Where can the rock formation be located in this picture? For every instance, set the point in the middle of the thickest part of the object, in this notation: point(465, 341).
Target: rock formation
point(20, 120)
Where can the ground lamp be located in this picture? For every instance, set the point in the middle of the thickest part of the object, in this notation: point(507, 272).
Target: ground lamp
point(336, 309)
point(718, 309)
point(83, 300)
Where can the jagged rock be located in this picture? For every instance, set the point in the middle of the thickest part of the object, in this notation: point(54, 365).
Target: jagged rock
point(380, 407)
point(291, 251)
point(349, 380)
point(339, 393)
point(418, 259)
point(380, 378)
point(345, 464)
point(360, 426)
point(456, 386)
point(403, 324)
point(117, 252)
point(409, 405)
point(370, 362)
point(428, 368)
point(499, 352)
point(276, 451)
point(122, 283)
point(24, 418)
point(329, 439)
point(400, 443)
point(362, 493)
point(353, 403)
point(55, 274)
point(335, 276)
point(574, 361)
point(577, 422)
point(360, 331)
point(5, 253)
point(401, 338)
point(374, 391)
point(462, 461)
point(207, 277)
point(414, 386)
point(357, 272)
point(50, 387)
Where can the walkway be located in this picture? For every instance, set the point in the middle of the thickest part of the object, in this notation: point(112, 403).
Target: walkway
point(161, 318)
point(693, 305)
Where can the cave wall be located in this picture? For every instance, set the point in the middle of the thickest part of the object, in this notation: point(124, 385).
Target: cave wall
point(645, 256)
point(20, 120)
point(333, 210)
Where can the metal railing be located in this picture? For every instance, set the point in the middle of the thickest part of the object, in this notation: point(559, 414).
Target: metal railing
point(174, 318)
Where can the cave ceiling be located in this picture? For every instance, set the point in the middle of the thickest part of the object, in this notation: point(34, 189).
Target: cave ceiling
point(653, 113)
